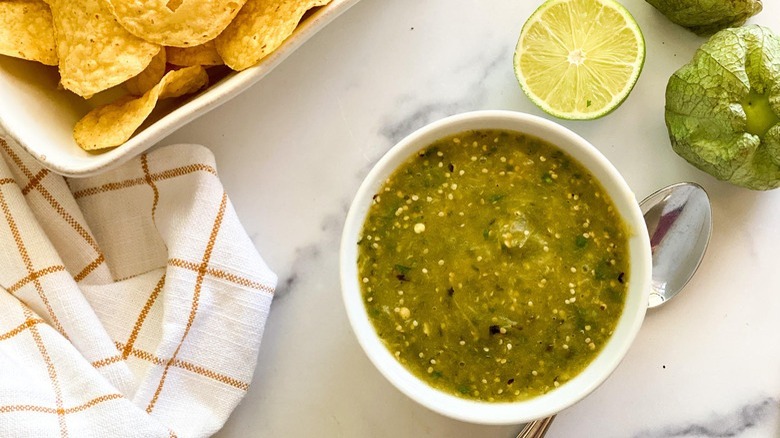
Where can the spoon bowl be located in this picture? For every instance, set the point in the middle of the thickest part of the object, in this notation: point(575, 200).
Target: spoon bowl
point(679, 223)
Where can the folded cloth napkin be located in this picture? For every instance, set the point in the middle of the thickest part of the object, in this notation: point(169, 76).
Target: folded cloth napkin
point(132, 303)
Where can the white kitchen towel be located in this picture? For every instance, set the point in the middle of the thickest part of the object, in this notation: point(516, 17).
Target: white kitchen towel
point(132, 303)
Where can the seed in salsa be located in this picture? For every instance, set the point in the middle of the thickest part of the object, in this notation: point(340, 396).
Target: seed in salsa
point(493, 265)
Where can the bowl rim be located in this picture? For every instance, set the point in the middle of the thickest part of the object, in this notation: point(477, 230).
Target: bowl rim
point(483, 412)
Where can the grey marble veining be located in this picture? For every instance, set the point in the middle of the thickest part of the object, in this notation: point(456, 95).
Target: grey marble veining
point(309, 256)
point(293, 149)
point(753, 418)
point(420, 110)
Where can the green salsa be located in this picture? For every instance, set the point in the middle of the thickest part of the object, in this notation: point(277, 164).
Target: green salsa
point(493, 265)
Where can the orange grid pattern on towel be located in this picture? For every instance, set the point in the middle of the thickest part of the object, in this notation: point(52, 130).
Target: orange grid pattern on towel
point(132, 299)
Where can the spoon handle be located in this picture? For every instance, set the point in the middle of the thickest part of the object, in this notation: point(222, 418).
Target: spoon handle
point(536, 428)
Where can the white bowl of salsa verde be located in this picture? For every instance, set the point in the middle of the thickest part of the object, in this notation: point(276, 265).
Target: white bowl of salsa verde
point(495, 267)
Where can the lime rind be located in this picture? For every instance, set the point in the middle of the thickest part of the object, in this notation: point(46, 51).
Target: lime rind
point(618, 96)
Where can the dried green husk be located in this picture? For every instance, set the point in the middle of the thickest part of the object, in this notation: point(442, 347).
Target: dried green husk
point(705, 17)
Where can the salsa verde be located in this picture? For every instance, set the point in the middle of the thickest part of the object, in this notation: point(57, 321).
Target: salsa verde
point(493, 265)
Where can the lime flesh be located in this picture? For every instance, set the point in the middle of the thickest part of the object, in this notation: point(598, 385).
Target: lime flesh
point(579, 59)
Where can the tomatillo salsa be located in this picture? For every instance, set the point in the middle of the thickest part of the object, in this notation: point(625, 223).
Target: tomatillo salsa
point(493, 265)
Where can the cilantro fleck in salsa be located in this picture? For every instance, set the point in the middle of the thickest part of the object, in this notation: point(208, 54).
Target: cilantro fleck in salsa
point(493, 265)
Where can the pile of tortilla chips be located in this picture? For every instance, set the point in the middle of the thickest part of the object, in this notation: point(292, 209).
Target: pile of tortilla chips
point(154, 49)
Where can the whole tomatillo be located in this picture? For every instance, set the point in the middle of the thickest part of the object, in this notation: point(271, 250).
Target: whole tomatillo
point(705, 17)
point(723, 108)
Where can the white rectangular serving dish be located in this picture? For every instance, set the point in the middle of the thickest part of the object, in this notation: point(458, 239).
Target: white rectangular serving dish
point(41, 117)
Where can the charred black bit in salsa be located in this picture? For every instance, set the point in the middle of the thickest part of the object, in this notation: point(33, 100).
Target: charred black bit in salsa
point(530, 241)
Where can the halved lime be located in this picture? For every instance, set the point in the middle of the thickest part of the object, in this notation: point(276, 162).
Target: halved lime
point(579, 59)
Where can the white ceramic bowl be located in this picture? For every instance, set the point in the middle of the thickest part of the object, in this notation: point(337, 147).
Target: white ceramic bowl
point(41, 117)
point(612, 353)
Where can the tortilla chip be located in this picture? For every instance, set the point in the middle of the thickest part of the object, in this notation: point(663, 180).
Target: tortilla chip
point(204, 54)
point(151, 76)
point(113, 124)
point(259, 28)
point(95, 52)
point(26, 31)
point(178, 23)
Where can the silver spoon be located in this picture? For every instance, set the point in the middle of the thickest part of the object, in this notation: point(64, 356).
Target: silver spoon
point(679, 222)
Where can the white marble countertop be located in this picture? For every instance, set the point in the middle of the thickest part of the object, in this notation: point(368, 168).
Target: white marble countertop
point(293, 149)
